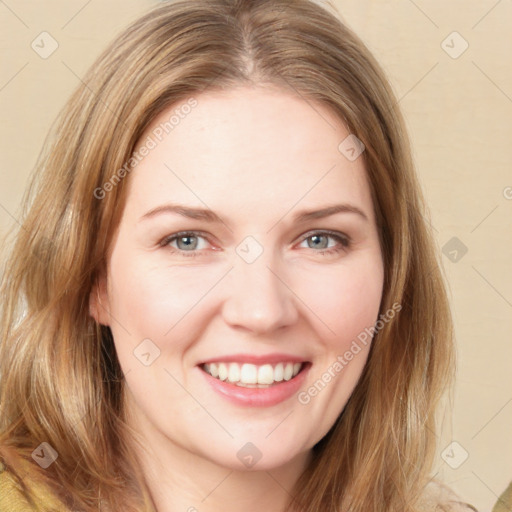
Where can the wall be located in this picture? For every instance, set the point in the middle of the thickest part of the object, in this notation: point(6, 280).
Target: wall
point(449, 63)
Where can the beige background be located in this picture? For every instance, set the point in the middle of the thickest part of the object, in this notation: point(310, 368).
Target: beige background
point(459, 112)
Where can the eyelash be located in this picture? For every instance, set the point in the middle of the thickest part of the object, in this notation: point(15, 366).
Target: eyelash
point(343, 240)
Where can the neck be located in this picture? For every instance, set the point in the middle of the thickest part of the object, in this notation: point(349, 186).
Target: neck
point(181, 480)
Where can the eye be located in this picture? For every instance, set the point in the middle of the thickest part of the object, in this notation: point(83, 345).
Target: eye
point(191, 243)
point(320, 240)
point(186, 242)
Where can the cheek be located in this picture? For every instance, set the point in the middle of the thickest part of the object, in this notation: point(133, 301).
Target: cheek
point(164, 302)
point(347, 299)
point(152, 301)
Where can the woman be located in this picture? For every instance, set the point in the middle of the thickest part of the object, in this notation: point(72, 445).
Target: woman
point(224, 293)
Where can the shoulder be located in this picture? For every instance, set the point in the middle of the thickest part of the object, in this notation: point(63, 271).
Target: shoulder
point(11, 497)
point(13, 500)
point(504, 503)
point(437, 497)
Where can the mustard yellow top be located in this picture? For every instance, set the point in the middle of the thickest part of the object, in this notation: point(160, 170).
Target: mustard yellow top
point(504, 503)
point(12, 499)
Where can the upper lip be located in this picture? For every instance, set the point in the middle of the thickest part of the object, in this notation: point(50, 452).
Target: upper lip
point(255, 359)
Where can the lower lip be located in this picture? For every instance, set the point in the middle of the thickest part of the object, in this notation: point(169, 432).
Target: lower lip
point(257, 397)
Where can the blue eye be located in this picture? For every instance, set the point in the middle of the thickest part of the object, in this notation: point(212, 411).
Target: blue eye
point(186, 242)
point(191, 243)
point(320, 240)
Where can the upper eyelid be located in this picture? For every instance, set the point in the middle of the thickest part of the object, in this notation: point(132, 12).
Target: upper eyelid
point(180, 234)
point(325, 232)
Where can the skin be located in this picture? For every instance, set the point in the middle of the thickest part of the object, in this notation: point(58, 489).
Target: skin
point(256, 156)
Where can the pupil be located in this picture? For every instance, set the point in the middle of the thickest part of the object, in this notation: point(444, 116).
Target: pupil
point(188, 244)
point(316, 238)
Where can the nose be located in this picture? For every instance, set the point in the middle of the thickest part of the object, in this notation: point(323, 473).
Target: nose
point(259, 299)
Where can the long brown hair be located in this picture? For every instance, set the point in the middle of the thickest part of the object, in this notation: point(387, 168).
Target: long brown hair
point(61, 382)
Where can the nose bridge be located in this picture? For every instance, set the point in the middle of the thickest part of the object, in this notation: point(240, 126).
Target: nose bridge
point(258, 299)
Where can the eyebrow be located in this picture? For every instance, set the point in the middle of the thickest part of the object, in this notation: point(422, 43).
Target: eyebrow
point(207, 215)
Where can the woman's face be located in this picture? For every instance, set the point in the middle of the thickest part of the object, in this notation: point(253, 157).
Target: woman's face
point(227, 256)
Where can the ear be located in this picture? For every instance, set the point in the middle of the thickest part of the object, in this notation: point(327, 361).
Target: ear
point(99, 307)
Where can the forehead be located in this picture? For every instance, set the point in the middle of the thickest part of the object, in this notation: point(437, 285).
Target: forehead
point(245, 147)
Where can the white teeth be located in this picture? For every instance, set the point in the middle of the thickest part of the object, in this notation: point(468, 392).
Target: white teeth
point(234, 373)
point(223, 371)
point(214, 370)
point(251, 375)
point(288, 371)
point(279, 372)
point(265, 374)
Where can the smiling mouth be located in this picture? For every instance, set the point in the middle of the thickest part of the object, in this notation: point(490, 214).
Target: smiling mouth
point(254, 376)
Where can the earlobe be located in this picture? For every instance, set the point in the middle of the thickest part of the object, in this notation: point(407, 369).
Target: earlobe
point(98, 302)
